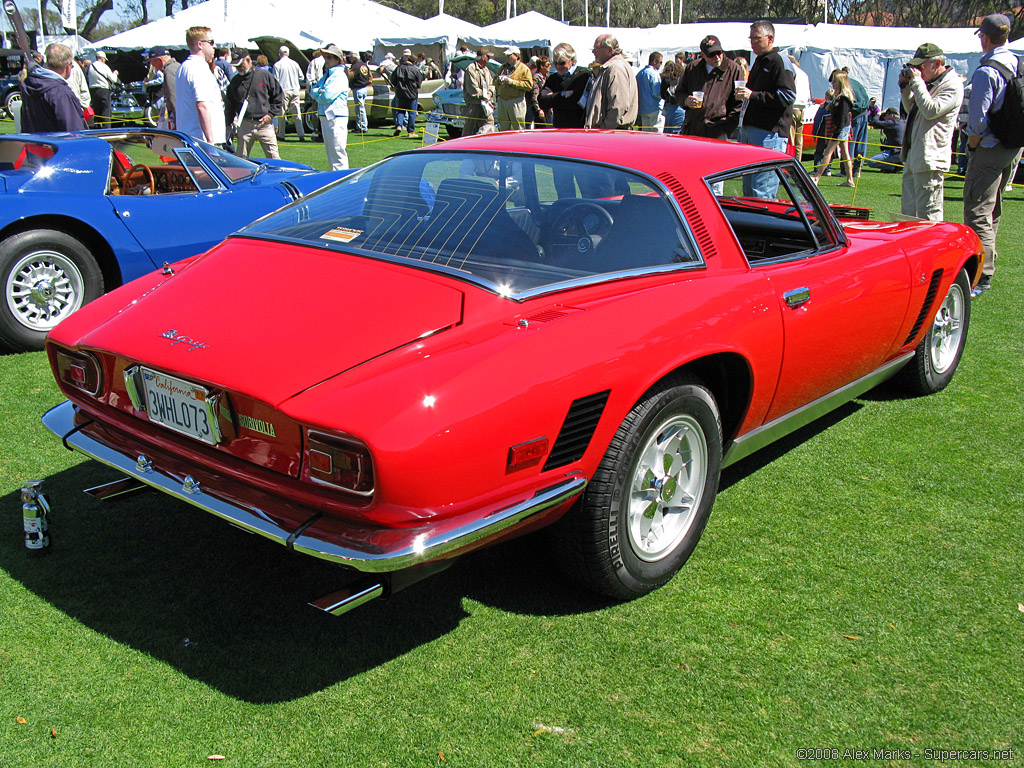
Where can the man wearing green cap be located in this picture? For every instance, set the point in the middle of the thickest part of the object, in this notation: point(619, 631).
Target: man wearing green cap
point(931, 93)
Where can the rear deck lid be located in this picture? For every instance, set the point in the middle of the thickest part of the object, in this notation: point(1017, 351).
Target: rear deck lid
point(270, 320)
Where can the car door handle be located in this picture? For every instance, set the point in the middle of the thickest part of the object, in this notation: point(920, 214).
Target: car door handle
point(797, 296)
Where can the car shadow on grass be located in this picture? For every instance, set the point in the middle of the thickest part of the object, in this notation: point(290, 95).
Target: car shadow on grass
point(224, 607)
point(229, 608)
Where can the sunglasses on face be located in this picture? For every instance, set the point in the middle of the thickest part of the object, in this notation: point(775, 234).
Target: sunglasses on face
point(561, 63)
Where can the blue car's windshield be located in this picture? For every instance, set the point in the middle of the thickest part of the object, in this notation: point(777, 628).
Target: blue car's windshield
point(236, 168)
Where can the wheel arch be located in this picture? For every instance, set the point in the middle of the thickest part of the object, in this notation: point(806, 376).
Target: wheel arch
point(729, 377)
point(973, 266)
point(90, 237)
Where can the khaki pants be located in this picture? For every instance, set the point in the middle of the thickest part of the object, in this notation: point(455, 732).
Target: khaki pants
point(476, 118)
point(249, 134)
point(511, 114)
point(922, 195)
point(988, 171)
point(292, 106)
point(796, 132)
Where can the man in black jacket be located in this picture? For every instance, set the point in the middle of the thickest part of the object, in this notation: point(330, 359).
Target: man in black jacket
point(892, 127)
point(254, 98)
point(406, 80)
point(48, 103)
point(768, 111)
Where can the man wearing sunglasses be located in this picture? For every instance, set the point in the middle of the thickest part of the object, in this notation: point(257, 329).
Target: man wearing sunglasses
point(199, 111)
point(714, 75)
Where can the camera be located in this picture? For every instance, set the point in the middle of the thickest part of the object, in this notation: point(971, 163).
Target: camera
point(907, 72)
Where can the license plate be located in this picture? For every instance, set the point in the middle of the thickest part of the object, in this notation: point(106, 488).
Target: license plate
point(181, 405)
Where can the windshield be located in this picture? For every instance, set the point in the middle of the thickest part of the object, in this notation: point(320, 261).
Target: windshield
point(234, 167)
point(514, 224)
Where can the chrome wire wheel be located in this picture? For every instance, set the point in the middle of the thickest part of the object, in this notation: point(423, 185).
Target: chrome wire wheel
point(667, 487)
point(944, 341)
point(43, 288)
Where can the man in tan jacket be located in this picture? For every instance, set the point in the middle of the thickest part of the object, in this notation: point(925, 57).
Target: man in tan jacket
point(931, 93)
point(612, 98)
point(513, 83)
point(476, 91)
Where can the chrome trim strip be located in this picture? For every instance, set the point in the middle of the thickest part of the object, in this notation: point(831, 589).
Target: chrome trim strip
point(417, 545)
point(768, 433)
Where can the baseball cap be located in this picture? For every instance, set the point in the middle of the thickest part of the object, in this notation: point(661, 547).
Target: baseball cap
point(237, 54)
point(512, 49)
point(157, 50)
point(406, 52)
point(995, 24)
point(710, 44)
point(923, 53)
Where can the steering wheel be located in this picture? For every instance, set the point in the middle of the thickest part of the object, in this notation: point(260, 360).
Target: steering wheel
point(578, 231)
point(585, 218)
point(130, 184)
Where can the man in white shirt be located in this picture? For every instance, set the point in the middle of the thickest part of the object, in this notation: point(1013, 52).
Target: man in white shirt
point(199, 110)
point(289, 75)
point(101, 81)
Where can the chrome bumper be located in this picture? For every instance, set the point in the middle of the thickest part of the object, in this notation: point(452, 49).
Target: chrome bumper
point(373, 550)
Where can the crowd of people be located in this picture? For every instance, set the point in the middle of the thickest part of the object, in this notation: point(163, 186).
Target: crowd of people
point(221, 95)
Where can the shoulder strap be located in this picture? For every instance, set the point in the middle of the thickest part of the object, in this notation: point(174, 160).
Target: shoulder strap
point(1002, 69)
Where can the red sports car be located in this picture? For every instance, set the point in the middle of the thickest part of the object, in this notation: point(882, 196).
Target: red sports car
point(546, 328)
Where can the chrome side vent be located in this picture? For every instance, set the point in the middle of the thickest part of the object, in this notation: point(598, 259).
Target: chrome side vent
point(926, 308)
point(577, 429)
point(693, 217)
point(292, 190)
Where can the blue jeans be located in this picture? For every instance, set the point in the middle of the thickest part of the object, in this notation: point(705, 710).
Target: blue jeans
point(858, 139)
point(405, 113)
point(765, 184)
point(359, 96)
point(887, 161)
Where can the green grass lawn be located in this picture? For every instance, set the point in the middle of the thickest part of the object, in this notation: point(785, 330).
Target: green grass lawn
point(858, 587)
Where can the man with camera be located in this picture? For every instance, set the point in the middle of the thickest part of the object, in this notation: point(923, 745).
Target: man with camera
point(931, 93)
point(991, 161)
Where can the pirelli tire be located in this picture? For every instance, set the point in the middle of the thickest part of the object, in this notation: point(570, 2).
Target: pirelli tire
point(649, 500)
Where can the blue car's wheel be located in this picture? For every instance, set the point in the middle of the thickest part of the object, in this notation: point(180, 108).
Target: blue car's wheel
point(46, 275)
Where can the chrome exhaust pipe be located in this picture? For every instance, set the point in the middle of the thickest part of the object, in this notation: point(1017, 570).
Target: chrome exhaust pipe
point(352, 596)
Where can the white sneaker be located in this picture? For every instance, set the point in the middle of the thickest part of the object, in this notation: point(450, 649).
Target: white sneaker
point(1008, 187)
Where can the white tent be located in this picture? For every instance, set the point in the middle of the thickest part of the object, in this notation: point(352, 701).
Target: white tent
point(436, 37)
point(876, 55)
point(349, 24)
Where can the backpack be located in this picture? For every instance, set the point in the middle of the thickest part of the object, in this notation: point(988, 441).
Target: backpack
point(1007, 122)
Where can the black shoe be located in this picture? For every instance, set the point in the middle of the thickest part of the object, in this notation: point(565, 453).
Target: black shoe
point(983, 285)
point(398, 132)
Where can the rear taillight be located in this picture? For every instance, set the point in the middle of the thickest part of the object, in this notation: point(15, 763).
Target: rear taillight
point(79, 370)
point(340, 462)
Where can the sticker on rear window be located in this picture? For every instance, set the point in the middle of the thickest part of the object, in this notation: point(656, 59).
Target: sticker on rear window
point(341, 234)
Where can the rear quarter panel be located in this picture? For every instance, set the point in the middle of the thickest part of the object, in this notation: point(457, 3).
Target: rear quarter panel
point(441, 415)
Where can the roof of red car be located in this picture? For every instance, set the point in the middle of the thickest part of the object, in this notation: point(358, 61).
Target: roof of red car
point(651, 153)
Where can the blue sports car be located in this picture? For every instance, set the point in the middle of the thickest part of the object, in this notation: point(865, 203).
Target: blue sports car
point(84, 212)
